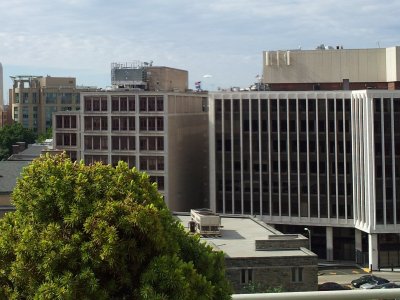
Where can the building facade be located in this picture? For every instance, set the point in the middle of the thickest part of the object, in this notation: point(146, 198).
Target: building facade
point(333, 68)
point(258, 254)
point(162, 133)
point(328, 160)
point(34, 99)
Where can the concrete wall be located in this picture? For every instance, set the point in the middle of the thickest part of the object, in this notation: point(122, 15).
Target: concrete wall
point(274, 271)
point(357, 65)
point(393, 63)
point(5, 199)
point(187, 153)
point(49, 81)
point(167, 79)
point(276, 244)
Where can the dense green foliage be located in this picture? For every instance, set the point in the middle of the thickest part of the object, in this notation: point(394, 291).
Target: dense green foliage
point(97, 232)
point(44, 136)
point(10, 134)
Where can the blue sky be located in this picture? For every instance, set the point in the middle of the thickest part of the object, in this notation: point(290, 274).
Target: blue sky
point(222, 38)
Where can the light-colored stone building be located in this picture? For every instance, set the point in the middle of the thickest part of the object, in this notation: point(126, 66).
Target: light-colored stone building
point(257, 253)
point(333, 68)
point(325, 160)
point(35, 98)
point(162, 133)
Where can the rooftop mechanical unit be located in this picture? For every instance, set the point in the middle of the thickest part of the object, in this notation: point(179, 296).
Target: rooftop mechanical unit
point(129, 75)
point(205, 222)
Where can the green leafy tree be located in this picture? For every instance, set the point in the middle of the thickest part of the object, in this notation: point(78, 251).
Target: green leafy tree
point(44, 136)
point(10, 134)
point(98, 232)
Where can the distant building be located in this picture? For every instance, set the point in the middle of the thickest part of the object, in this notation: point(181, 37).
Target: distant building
point(9, 172)
point(327, 160)
point(1, 88)
point(35, 98)
point(257, 253)
point(5, 116)
point(146, 77)
point(333, 68)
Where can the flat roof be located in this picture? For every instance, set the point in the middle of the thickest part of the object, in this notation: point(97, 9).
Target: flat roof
point(238, 236)
point(33, 151)
point(9, 172)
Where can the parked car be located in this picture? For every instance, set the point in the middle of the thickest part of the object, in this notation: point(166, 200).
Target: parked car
point(332, 286)
point(374, 282)
point(368, 279)
point(389, 285)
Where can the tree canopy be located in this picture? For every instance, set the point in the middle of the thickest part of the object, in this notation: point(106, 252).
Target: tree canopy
point(11, 134)
point(98, 232)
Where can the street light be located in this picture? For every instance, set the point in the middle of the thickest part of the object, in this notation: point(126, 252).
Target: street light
point(309, 237)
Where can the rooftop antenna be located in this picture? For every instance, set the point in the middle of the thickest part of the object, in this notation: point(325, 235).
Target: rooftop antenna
point(378, 44)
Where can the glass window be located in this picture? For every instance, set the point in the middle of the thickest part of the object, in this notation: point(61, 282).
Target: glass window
point(51, 98)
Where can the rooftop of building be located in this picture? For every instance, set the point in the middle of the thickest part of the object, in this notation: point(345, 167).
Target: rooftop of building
point(30, 153)
point(238, 236)
point(9, 172)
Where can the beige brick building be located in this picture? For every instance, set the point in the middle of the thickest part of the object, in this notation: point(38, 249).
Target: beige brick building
point(35, 98)
point(162, 133)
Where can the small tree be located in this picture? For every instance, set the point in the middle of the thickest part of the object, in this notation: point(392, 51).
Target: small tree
point(97, 232)
point(44, 136)
point(10, 134)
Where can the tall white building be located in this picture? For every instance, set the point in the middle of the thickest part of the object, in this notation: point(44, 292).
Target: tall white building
point(325, 160)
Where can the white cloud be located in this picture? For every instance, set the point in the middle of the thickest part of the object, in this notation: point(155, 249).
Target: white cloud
point(224, 38)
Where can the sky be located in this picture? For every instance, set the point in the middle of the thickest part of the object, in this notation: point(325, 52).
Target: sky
point(222, 39)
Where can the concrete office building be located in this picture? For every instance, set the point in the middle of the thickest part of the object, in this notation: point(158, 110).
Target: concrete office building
point(333, 68)
point(35, 98)
point(162, 133)
point(326, 160)
point(150, 121)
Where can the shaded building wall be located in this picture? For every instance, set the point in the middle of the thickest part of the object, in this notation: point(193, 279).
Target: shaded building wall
point(274, 272)
point(187, 153)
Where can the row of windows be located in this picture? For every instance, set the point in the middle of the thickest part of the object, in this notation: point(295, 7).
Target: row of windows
point(293, 146)
point(123, 123)
point(247, 275)
point(95, 103)
point(151, 163)
point(65, 121)
point(95, 142)
point(131, 161)
point(302, 105)
point(66, 139)
point(96, 123)
point(293, 125)
point(65, 98)
point(124, 103)
point(151, 143)
point(151, 104)
point(285, 188)
point(123, 143)
point(151, 123)
point(101, 123)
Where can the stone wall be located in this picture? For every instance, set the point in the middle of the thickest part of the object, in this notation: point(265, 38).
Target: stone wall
point(274, 272)
point(276, 244)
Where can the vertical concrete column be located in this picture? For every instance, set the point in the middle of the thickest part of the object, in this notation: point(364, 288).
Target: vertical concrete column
point(329, 243)
point(358, 246)
point(373, 251)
